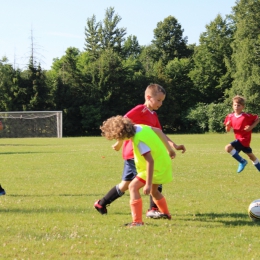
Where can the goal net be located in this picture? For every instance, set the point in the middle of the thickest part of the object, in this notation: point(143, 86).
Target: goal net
point(31, 124)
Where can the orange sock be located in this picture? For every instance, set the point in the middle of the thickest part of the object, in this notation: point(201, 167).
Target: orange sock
point(136, 210)
point(162, 205)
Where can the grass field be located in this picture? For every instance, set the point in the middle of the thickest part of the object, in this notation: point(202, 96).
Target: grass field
point(51, 185)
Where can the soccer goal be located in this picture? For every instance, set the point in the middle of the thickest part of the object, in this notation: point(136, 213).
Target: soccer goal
point(31, 124)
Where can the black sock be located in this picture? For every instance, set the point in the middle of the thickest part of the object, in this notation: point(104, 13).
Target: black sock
point(112, 195)
point(152, 204)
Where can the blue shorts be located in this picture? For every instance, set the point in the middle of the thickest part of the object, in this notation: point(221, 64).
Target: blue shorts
point(239, 147)
point(129, 172)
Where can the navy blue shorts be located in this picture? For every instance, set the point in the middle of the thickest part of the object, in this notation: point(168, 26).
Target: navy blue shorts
point(129, 172)
point(239, 147)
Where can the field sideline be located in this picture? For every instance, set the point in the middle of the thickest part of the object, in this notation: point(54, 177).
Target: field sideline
point(51, 185)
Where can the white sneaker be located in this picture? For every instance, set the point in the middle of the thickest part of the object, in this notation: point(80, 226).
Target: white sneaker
point(154, 213)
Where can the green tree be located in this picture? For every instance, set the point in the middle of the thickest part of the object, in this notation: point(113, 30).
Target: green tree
point(93, 36)
point(180, 93)
point(103, 35)
point(112, 35)
point(10, 92)
point(169, 40)
point(211, 73)
point(246, 53)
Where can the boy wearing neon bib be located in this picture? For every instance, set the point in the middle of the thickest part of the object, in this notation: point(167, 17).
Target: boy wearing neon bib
point(152, 162)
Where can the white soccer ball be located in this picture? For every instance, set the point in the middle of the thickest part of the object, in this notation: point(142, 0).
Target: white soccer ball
point(254, 210)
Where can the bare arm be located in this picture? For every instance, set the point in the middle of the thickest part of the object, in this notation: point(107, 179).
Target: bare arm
point(228, 126)
point(176, 146)
point(149, 173)
point(117, 145)
point(250, 127)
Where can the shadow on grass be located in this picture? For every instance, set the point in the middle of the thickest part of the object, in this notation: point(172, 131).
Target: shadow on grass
point(24, 145)
point(228, 219)
point(45, 195)
point(42, 210)
point(24, 152)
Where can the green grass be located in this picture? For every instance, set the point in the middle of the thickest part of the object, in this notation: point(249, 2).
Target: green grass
point(51, 186)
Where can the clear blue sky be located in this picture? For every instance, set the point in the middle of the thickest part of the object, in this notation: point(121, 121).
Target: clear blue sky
point(59, 24)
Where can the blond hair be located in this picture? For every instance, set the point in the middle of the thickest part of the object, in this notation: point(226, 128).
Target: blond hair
point(118, 127)
point(239, 99)
point(154, 89)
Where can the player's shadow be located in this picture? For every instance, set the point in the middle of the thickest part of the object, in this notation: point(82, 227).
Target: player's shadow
point(228, 219)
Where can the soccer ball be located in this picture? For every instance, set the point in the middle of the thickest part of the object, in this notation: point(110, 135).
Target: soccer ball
point(254, 210)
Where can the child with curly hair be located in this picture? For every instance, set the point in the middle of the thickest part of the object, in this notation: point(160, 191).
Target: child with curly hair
point(153, 163)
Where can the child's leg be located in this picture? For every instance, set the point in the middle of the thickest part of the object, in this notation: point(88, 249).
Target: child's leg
point(230, 149)
point(234, 148)
point(136, 204)
point(160, 200)
point(117, 191)
point(254, 160)
point(152, 204)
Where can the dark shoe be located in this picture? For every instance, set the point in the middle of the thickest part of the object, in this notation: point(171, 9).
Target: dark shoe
point(2, 191)
point(101, 209)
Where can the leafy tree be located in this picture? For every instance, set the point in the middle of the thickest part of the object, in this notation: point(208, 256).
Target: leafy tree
point(180, 93)
point(246, 53)
point(9, 87)
point(211, 74)
point(169, 40)
point(36, 94)
point(131, 47)
point(92, 35)
point(103, 35)
point(69, 92)
point(112, 36)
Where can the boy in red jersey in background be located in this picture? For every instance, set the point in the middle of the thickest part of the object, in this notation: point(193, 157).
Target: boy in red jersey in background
point(141, 114)
point(242, 124)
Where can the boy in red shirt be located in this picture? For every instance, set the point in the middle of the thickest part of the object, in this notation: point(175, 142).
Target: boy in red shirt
point(141, 114)
point(242, 124)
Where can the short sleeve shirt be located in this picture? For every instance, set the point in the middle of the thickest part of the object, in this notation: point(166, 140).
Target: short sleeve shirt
point(139, 115)
point(238, 123)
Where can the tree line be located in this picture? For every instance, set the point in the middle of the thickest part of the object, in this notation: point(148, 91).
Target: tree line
point(110, 75)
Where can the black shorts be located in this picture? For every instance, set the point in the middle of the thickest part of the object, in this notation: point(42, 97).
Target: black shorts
point(239, 147)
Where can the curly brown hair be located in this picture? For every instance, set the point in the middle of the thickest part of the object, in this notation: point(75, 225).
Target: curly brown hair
point(118, 127)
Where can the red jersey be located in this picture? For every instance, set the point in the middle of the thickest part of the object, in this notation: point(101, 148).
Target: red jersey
point(238, 123)
point(139, 115)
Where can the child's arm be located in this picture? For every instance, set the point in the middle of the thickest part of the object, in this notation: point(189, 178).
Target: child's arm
point(117, 145)
point(250, 127)
point(176, 146)
point(149, 169)
point(228, 126)
point(164, 139)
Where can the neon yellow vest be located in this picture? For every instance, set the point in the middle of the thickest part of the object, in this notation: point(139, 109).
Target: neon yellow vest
point(162, 161)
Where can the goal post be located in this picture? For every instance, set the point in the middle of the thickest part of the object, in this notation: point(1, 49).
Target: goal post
point(31, 124)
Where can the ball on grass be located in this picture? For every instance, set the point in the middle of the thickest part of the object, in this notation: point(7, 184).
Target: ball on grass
point(254, 210)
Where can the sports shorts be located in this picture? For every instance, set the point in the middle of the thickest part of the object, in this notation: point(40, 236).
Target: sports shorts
point(239, 147)
point(129, 171)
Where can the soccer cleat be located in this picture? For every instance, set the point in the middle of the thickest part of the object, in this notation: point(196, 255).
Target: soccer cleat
point(101, 209)
point(241, 166)
point(2, 191)
point(153, 213)
point(134, 224)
